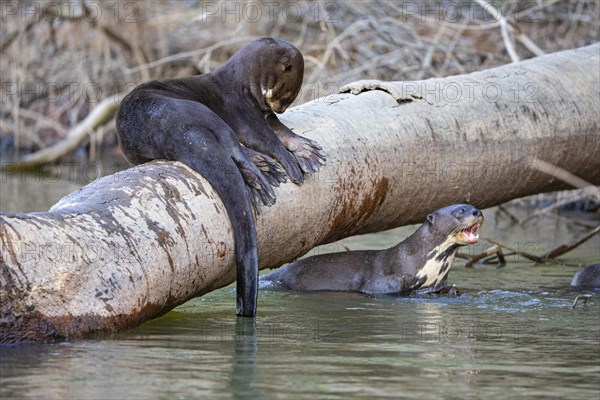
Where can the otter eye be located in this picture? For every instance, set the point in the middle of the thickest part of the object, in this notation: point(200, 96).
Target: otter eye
point(460, 211)
point(288, 67)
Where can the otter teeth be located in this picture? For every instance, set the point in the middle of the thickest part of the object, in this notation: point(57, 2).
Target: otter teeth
point(471, 234)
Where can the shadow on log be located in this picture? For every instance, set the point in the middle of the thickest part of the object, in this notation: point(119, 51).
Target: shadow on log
point(131, 246)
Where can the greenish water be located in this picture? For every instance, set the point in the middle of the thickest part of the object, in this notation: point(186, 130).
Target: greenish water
point(510, 334)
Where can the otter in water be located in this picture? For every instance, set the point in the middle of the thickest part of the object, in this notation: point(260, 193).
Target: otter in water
point(222, 125)
point(420, 261)
point(587, 277)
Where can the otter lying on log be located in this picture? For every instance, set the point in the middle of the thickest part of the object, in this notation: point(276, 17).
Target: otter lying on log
point(420, 261)
point(222, 125)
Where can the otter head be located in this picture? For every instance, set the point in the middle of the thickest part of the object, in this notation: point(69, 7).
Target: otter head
point(283, 72)
point(456, 224)
point(271, 68)
point(444, 231)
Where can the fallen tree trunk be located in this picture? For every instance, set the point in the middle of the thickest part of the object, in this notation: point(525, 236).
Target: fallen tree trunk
point(131, 246)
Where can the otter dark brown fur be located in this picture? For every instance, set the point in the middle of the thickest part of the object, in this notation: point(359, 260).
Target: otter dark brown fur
point(222, 125)
point(587, 277)
point(421, 261)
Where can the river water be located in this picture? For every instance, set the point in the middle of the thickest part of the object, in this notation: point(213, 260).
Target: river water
point(510, 334)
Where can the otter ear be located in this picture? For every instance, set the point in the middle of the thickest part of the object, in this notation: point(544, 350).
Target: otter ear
point(431, 218)
point(285, 63)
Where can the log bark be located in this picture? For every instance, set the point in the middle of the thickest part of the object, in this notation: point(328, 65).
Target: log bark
point(131, 246)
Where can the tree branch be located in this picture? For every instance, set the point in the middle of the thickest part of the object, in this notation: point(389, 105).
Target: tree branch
point(97, 117)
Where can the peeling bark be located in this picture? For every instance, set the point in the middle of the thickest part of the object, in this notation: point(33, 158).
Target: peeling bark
point(131, 246)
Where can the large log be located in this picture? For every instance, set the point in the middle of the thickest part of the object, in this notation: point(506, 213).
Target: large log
point(132, 246)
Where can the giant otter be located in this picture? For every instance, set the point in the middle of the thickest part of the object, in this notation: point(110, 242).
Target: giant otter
point(221, 124)
point(420, 261)
point(587, 277)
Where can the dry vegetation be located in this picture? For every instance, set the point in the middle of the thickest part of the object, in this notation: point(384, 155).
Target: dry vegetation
point(59, 58)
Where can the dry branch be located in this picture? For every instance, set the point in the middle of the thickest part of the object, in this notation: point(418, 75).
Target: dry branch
point(566, 177)
point(508, 27)
point(590, 192)
point(102, 113)
point(132, 246)
point(549, 255)
point(193, 53)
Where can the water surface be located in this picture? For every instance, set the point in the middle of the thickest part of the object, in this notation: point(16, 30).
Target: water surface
point(510, 334)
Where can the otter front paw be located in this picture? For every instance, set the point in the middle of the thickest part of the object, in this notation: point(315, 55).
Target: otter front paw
point(308, 153)
point(449, 291)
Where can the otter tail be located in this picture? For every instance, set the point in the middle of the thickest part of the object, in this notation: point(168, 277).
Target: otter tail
point(225, 177)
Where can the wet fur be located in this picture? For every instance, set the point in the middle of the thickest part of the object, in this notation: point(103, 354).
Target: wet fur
point(587, 277)
point(422, 260)
point(222, 126)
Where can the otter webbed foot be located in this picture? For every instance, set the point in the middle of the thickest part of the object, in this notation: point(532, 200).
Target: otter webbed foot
point(308, 153)
point(289, 163)
point(259, 187)
point(274, 173)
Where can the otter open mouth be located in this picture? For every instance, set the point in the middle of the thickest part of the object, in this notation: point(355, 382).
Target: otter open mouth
point(470, 234)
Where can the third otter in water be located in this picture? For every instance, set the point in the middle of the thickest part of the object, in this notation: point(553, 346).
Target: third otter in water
point(588, 277)
point(421, 261)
